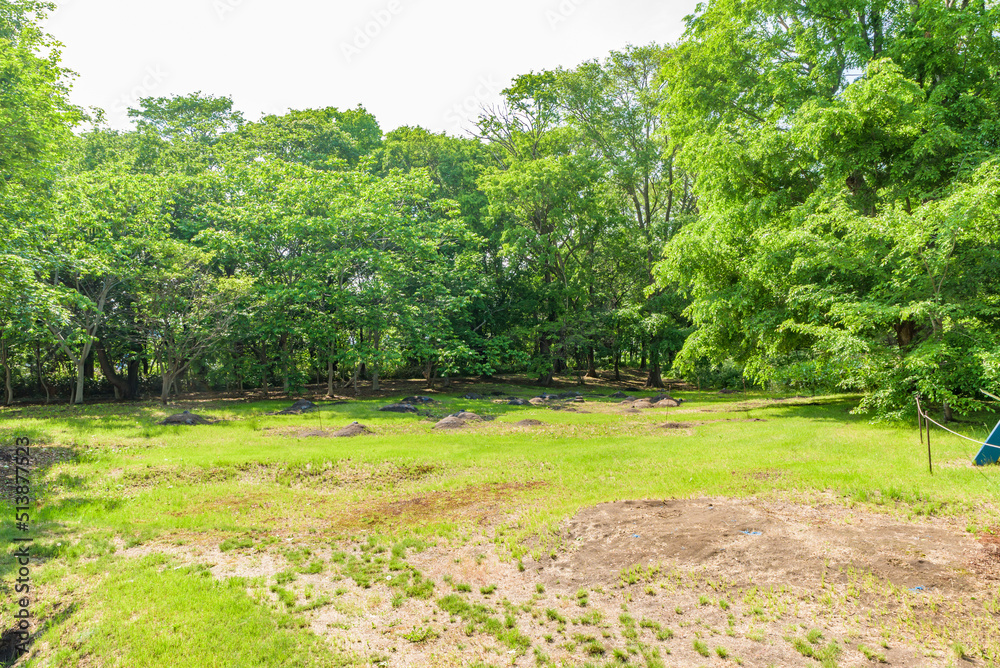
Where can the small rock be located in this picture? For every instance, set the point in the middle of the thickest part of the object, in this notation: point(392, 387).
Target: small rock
point(187, 418)
point(399, 408)
point(299, 407)
point(418, 400)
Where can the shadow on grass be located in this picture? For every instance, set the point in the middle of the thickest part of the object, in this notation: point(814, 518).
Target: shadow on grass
point(11, 638)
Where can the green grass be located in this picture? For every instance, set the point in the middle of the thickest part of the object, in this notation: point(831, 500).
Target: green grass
point(129, 481)
point(141, 613)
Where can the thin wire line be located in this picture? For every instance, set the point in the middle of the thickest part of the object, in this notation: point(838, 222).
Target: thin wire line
point(980, 443)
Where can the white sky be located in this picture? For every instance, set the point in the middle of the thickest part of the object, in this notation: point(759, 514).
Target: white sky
point(426, 62)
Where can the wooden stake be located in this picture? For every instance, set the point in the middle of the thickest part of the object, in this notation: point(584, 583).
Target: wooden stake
point(920, 420)
point(929, 465)
point(925, 420)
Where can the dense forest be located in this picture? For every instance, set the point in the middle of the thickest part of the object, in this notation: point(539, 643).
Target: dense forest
point(803, 195)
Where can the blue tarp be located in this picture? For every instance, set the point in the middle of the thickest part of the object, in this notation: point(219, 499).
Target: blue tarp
point(990, 452)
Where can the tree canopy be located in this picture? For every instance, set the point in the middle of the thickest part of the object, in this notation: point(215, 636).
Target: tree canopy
point(795, 194)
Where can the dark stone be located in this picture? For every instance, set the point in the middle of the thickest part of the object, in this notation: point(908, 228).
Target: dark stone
point(299, 407)
point(418, 400)
point(187, 418)
point(399, 408)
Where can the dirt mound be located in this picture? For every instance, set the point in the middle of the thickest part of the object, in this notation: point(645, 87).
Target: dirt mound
point(518, 402)
point(450, 422)
point(642, 403)
point(618, 395)
point(529, 423)
point(472, 396)
point(768, 542)
point(537, 401)
point(667, 403)
point(399, 408)
point(467, 416)
point(353, 429)
point(299, 407)
point(188, 418)
point(676, 425)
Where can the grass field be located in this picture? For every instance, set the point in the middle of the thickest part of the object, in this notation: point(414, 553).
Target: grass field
point(244, 543)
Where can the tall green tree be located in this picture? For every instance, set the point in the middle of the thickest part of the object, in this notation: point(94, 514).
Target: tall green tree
point(836, 148)
point(616, 104)
point(36, 119)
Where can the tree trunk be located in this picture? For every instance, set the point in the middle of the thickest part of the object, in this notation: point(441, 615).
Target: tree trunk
point(591, 369)
point(654, 379)
point(122, 389)
point(376, 340)
point(330, 368)
point(8, 385)
point(262, 360)
point(285, 380)
point(618, 358)
point(5, 359)
point(948, 416)
point(642, 361)
point(545, 351)
point(429, 373)
point(168, 380)
point(48, 389)
point(133, 378)
point(80, 376)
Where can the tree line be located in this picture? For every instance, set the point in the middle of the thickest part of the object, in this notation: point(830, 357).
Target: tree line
point(794, 195)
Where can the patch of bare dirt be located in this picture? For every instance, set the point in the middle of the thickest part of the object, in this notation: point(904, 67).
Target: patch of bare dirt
point(529, 423)
point(689, 425)
point(747, 576)
point(40, 459)
point(677, 425)
point(767, 542)
point(187, 418)
point(478, 502)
